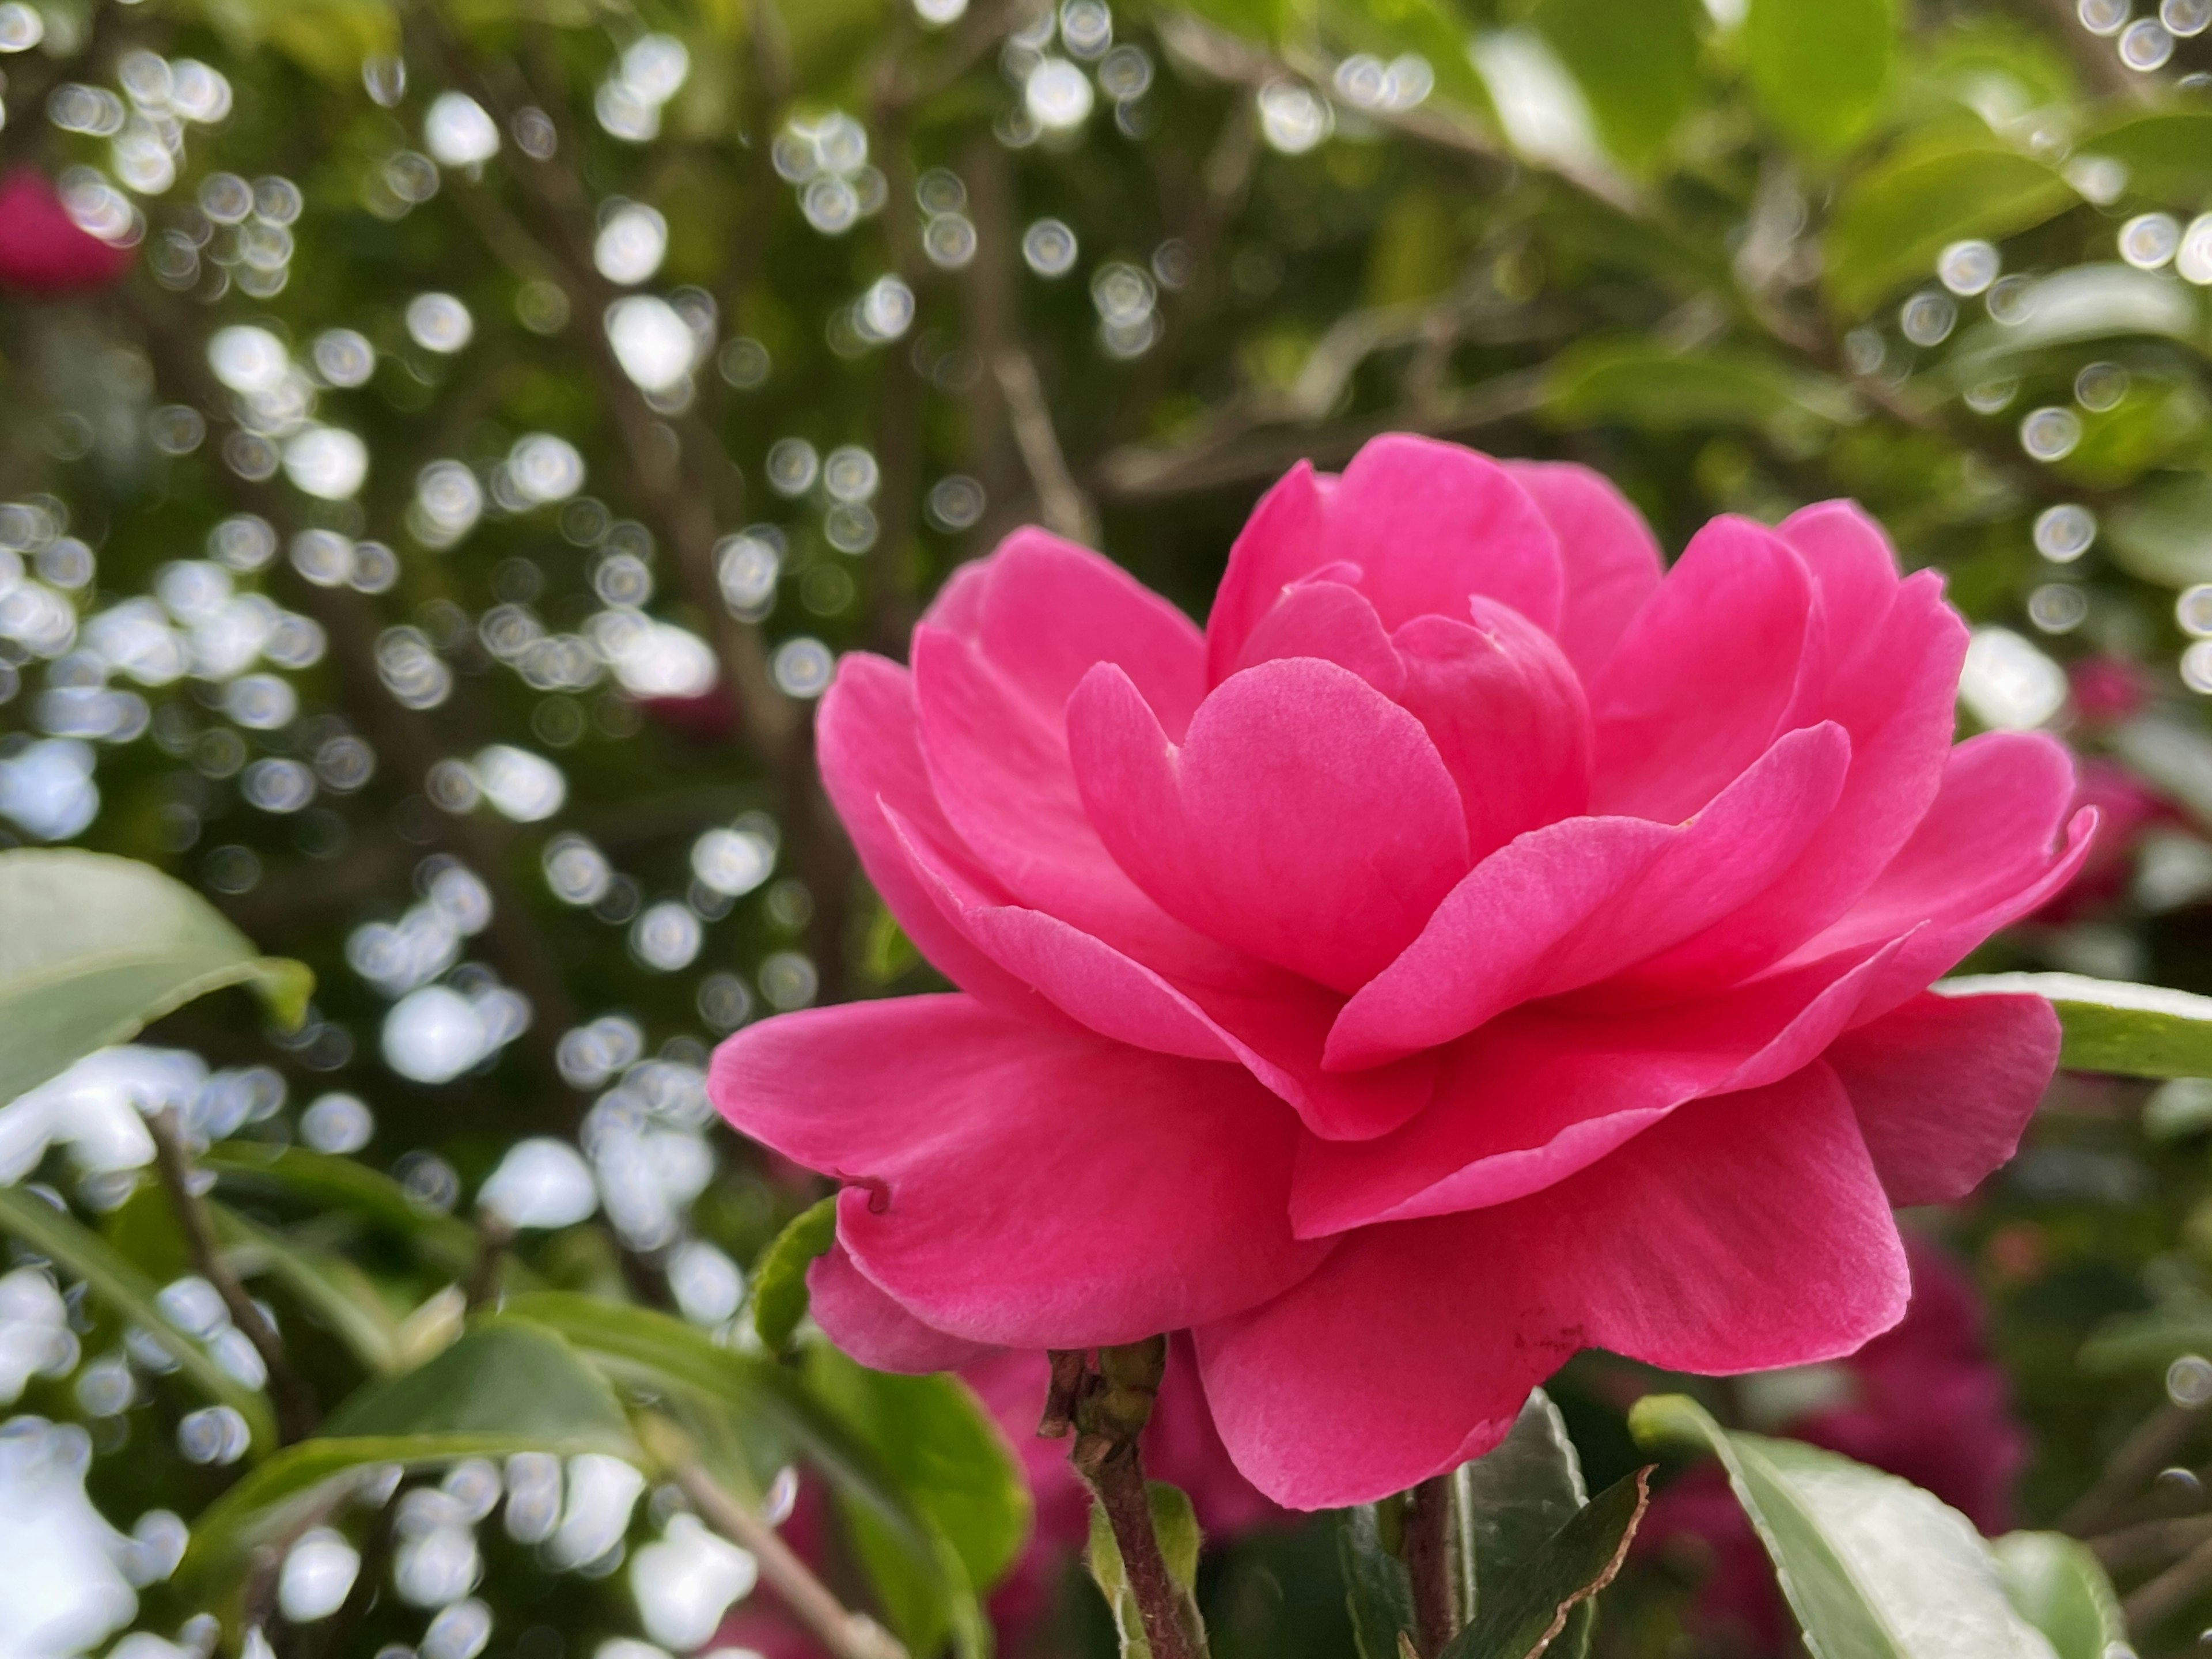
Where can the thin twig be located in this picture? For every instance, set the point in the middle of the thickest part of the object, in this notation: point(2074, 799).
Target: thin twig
point(1067, 510)
point(494, 1236)
point(295, 1408)
point(2150, 1541)
point(1111, 1409)
point(846, 1634)
point(2149, 1604)
point(2148, 1449)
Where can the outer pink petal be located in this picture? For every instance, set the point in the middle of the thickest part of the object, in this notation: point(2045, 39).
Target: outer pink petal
point(1431, 523)
point(1611, 556)
point(874, 1329)
point(1725, 657)
point(1547, 1090)
point(1745, 1232)
point(1307, 821)
point(869, 753)
point(1270, 1023)
point(998, 767)
point(1569, 905)
point(1281, 542)
point(1506, 713)
point(1854, 566)
point(1895, 698)
point(1024, 1188)
point(1944, 1086)
point(1046, 610)
point(1330, 620)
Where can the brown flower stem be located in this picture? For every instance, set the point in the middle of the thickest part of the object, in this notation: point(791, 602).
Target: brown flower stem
point(1428, 1550)
point(1111, 1407)
point(296, 1407)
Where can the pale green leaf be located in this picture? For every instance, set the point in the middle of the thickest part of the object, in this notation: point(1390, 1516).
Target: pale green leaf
point(1820, 70)
point(92, 948)
point(2058, 1586)
point(2137, 1031)
point(779, 1278)
point(1175, 1524)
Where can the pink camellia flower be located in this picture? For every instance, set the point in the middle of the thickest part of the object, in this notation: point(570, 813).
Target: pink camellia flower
point(42, 250)
point(1475, 946)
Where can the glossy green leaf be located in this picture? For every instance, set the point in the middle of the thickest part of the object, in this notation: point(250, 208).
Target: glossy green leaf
point(1516, 1497)
point(124, 1290)
point(1636, 63)
point(2137, 1030)
point(1892, 220)
point(2168, 154)
point(779, 1278)
point(1821, 71)
point(2059, 1586)
point(329, 1287)
point(2163, 532)
point(505, 1376)
point(92, 948)
point(1174, 1523)
point(319, 1181)
point(1873, 1567)
point(1526, 1609)
point(1633, 381)
point(952, 1464)
point(1378, 1590)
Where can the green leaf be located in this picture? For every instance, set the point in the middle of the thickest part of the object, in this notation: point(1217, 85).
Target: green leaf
point(1515, 1497)
point(780, 1276)
point(1525, 1611)
point(1378, 1589)
point(330, 1287)
point(1820, 70)
point(946, 1455)
point(1174, 1523)
point(1873, 1567)
point(327, 38)
point(2058, 1586)
point(2169, 156)
point(1634, 381)
point(507, 1376)
point(1892, 220)
point(2137, 1030)
point(2151, 1339)
point(128, 1292)
point(320, 1181)
point(92, 948)
point(1636, 62)
point(1430, 29)
point(2163, 532)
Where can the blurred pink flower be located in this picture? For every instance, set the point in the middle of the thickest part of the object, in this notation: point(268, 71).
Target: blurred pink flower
point(44, 251)
point(2108, 690)
point(1180, 1445)
point(2126, 806)
point(1924, 1401)
point(1474, 947)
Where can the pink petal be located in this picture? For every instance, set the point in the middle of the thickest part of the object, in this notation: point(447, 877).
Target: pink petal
point(999, 767)
point(1743, 1233)
point(874, 1329)
point(1725, 657)
point(1610, 556)
point(1025, 1187)
point(1895, 698)
point(1045, 610)
point(1268, 1021)
point(1507, 716)
point(1334, 622)
point(1566, 906)
point(1943, 1087)
point(1281, 542)
point(869, 753)
point(1307, 821)
point(1431, 523)
point(1547, 1090)
point(1853, 563)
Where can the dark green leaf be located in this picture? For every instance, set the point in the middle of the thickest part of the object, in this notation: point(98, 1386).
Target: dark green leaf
point(507, 1376)
point(949, 1458)
point(2169, 156)
point(1637, 62)
point(1174, 1523)
point(1820, 70)
point(780, 1276)
point(1525, 1611)
point(2137, 1031)
point(1873, 1567)
point(1515, 1497)
point(1892, 220)
point(330, 1287)
point(2059, 1587)
point(1634, 381)
point(321, 1182)
point(94, 947)
point(125, 1290)
point(1377, 1586)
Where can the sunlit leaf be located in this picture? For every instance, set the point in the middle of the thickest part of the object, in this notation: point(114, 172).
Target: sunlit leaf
point(1821, 71)
point(2138, 1030)
point(2058, 1586)
point(92, 948)
point(1873, 1567)
point(1175, 1524)
point(2167, 153)
point(779, 1280)
point(1892, 220)
point(1636, 62)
